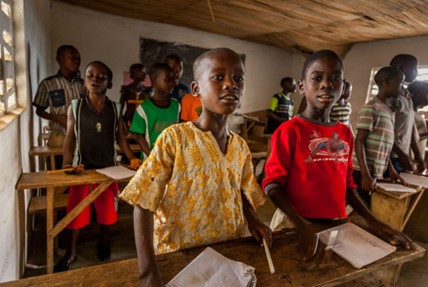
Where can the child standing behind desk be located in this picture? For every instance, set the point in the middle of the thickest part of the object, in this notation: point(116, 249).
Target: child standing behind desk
point(92, 127)
point(281, 106)
point(157, 112)
point(197, 184)
point(317, 190)
point(375, 134)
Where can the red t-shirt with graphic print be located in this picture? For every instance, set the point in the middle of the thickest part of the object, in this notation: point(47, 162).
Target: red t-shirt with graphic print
point(313, 161)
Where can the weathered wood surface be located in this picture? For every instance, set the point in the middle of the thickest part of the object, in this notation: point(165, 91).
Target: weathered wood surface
point(285, 254)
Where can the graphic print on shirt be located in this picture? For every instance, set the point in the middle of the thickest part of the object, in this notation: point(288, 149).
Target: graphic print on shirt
point(327, 149)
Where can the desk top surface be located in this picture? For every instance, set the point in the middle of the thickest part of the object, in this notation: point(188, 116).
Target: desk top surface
point(44, 179)
point(285, 255)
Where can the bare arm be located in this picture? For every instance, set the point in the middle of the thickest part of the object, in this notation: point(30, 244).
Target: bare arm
point(61, 119)
point(367, 181)
point(256, 227)
point(275, 191)
point(403, 157)
point(148, 268)
point(143, 144)
point(124, 145)
point(69, 140)
point(417, 153)
point(270, 114)
point(389, 234)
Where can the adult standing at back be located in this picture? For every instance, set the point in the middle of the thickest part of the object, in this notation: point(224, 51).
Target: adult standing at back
point(404, 130)
point(57, 92)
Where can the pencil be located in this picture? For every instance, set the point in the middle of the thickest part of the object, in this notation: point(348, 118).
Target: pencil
point(61, 170)
point(269, 258)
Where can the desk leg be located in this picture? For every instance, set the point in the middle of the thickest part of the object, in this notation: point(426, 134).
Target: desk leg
point(49, 226)
point(53, 232)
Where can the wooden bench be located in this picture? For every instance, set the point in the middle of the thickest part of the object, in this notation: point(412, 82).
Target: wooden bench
point(38, 203)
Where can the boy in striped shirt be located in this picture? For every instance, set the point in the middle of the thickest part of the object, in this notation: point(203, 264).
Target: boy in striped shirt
point(375, 134)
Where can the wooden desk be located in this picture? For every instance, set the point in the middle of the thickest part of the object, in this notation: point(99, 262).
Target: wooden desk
point(395, 208)
point(60, 179)
point(285, 254)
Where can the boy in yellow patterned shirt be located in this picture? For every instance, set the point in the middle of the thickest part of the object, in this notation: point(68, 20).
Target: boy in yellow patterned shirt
point(197, 186)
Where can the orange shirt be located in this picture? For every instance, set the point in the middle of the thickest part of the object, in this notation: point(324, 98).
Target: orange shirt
point(191, 108)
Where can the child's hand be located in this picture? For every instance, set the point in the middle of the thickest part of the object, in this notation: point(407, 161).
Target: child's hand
point(135, 163)
point(392, 236)
point(76, 169)
point(395, 177)
point(260, 232)
point(368, 183)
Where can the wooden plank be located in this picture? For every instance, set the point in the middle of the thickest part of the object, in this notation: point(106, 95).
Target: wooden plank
point(52, 232)
point(49, 226)
point(286, 254)
point(389, 209)
point(38, 203)
point(51, 151)
point(43, 179)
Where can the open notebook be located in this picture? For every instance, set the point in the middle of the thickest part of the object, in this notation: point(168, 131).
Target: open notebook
point(355, 245)
point(211, 269)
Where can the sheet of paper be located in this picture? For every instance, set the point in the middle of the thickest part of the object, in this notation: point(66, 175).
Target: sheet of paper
point(211, 269)
point(394, 187)
point(415, 180)
point(356, 245)
point(117, 172)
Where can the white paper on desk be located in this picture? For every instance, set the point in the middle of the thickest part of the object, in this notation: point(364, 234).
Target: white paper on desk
point(394, 187)
point(415, 180)
point(211, 269)
point(117, 172)
point(357, 246)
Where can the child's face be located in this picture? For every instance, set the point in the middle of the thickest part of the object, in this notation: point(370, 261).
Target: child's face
point(177, 67)
point(394, 86)
point(69, 60)
point(221, 83)
point(164, 82)
point(347, 92)
point(138, 74)
point(410, 70)
point(323, 83)
point(96, 79)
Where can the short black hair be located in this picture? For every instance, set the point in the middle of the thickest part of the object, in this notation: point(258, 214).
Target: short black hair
point(135, 67)
point(400, 59)
point(156, 68)
point(386, 73)
point(108, 70)
point(286, 79)
point(197, 64)
point(318, 55)
point(63, 48)
point(173, 57)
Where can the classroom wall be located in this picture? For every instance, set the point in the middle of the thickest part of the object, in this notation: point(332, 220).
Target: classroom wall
point(364, 56)
point(17, 137)
point(115, 41)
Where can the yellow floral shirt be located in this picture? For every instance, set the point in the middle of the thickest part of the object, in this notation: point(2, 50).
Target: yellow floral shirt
point(194, 189)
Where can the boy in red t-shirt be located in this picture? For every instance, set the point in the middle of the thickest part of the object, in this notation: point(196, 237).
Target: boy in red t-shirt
point(317, 190)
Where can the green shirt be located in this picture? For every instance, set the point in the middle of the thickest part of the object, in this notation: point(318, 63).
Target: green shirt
point(150, 120)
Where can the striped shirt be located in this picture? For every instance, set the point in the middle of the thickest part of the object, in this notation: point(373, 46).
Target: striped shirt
point(341, 113)
point(56, 93)
point(378, 118)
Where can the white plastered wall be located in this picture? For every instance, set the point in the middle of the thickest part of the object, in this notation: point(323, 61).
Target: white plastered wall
point(364, 56)
point(33, 18)
point(115, 41)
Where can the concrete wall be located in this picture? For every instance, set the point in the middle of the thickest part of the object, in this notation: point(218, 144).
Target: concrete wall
point(17, 137)
point(115, 41)
point(363, 57)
